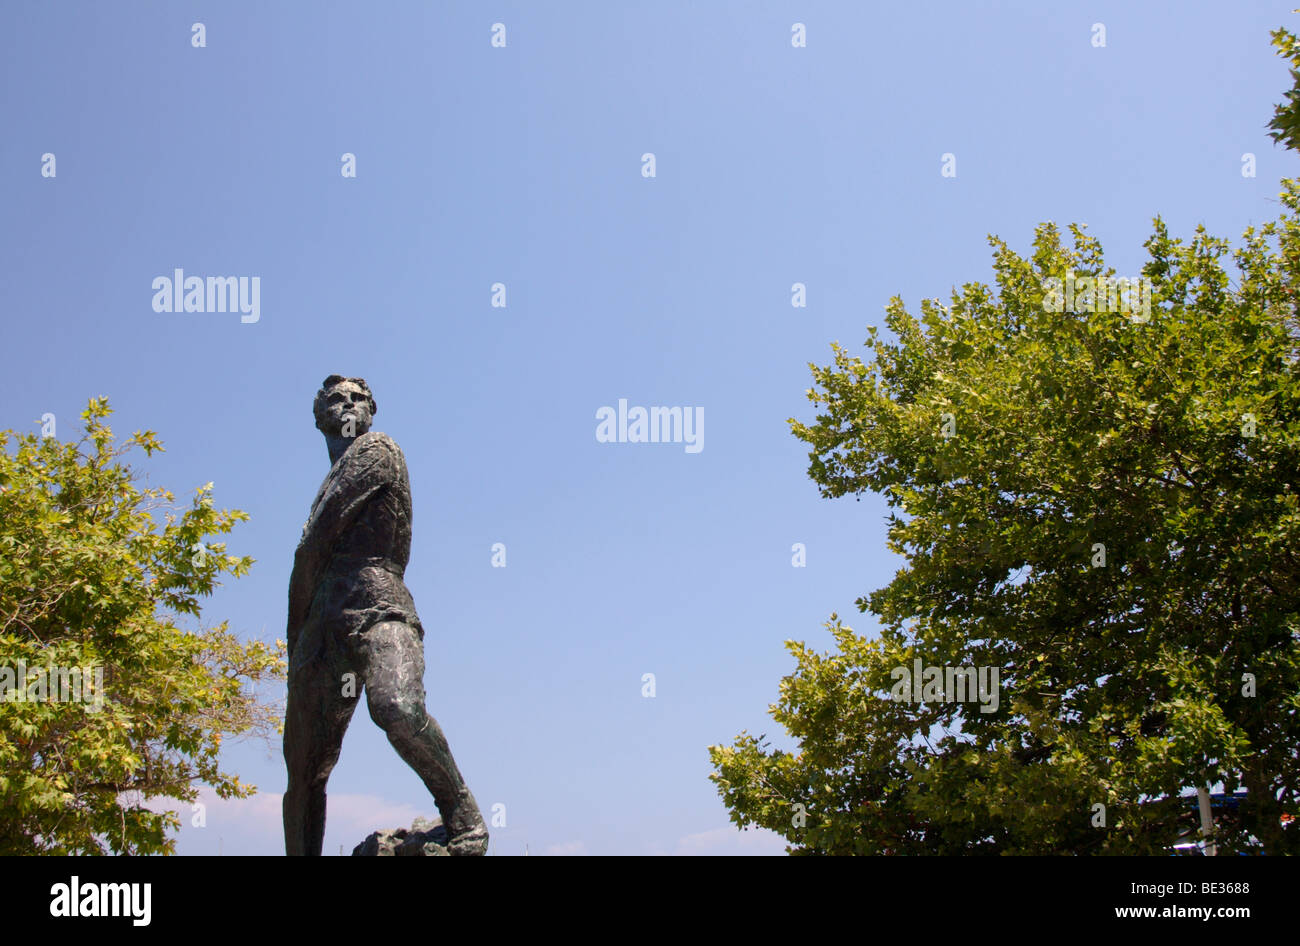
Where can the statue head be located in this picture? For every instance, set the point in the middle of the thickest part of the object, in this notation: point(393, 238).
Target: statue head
point(339, 399)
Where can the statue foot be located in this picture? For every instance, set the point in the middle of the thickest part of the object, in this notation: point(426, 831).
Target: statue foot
point(467, 835)
point(473, 843)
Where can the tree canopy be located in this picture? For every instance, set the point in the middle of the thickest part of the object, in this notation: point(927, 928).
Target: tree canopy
point(1285, 126)
point(91, 581)
point(1096, 499)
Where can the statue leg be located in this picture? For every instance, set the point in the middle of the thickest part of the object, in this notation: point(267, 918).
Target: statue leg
point(316, 718)
point(393, 655)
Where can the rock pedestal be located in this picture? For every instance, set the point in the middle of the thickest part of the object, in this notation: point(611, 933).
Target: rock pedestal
point(423, 838)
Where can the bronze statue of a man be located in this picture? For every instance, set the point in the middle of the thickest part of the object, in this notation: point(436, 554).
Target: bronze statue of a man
point(352, 624)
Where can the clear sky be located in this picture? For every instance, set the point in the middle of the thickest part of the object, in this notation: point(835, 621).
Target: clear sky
point(522, 165)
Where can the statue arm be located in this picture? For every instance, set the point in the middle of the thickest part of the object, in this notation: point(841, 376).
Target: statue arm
point(301, 589)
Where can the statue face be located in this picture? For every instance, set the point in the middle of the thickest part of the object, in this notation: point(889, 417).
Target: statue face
point(346, 399)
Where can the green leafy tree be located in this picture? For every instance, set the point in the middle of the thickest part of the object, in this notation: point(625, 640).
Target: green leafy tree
point(89, 579)
point(1103, 506)
point(1286, 116)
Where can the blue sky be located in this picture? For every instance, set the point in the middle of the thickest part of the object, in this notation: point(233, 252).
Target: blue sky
point(523, 165)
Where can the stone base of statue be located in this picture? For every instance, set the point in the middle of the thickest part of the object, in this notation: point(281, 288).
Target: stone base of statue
point(423, 839)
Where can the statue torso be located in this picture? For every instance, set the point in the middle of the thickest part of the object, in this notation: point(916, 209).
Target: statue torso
point(362, 582)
